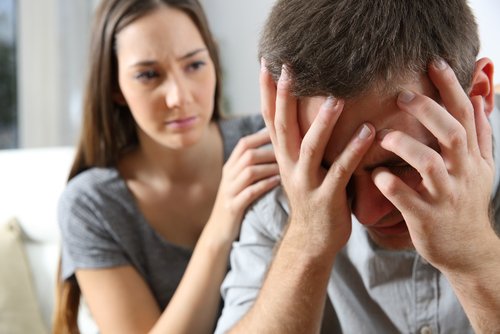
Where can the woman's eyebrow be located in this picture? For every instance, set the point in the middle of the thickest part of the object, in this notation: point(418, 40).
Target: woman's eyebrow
point(192, 53)
point(188, 55)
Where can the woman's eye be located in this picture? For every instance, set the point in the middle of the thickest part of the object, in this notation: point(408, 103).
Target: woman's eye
point(196, 65)
point(146, 75)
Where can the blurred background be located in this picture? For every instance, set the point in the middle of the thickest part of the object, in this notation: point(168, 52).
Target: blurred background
point(43, 50)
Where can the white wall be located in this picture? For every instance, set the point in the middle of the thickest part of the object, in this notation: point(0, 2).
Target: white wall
point(488, 16)
point(236, 25)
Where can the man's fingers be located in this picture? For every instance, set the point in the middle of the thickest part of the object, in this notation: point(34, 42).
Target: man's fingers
point(449, 132)
point(267, 98)
point(315, 140)
point(404, 198)
point(454, 99)
point(285, 121)
point(483, 129)
point(343, 167)
point(421, 158)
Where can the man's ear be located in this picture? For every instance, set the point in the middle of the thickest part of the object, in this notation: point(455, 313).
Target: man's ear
point(482, 84)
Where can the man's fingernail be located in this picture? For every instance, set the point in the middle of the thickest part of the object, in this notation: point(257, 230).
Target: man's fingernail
point(406, 96)
point(285, 76)
point(263, 67)
point(440, 64)
point(365, 132)
point(330, 102)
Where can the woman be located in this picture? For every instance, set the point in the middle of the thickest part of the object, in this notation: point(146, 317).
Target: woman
point(153, 177)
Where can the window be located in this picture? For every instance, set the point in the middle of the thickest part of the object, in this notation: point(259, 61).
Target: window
point(8, 91)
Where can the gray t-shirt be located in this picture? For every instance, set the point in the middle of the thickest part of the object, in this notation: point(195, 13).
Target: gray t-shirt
point(102, 226)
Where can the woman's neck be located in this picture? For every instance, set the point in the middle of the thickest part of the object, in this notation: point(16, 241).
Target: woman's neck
point(152, 161)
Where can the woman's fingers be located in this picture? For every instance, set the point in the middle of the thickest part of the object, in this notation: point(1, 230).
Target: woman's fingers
point(251, 175)
point(251, 193)
point(247, 143)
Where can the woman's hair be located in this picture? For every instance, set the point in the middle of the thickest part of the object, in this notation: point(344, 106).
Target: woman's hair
point(109, 130)
point(345, 47)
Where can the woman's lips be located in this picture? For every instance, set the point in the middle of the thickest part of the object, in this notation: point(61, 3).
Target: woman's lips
point(181, 123)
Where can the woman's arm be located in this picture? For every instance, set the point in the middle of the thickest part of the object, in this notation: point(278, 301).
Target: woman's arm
point(249, 172)
point(121, 301)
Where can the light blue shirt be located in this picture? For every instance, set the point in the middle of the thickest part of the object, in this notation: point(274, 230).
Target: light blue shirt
point(372, 290)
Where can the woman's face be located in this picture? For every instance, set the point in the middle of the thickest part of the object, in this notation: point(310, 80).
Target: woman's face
point(166, 78)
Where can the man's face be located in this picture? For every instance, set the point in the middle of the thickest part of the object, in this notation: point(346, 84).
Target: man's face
point(382, 220)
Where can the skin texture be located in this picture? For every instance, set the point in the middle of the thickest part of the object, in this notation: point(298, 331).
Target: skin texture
point(426, 172)
point(177, 177)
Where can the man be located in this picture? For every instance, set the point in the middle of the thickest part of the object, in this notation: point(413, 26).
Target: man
point(378, 115)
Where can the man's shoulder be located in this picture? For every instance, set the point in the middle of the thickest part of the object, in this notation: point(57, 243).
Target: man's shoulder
point(268, 215)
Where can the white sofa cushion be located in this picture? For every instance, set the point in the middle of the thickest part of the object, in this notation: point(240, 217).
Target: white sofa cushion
point(31, 181)
point(19, 308)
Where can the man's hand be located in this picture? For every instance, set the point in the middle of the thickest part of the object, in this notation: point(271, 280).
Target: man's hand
point(448, 213)
point(293, 294)
point(317, 196)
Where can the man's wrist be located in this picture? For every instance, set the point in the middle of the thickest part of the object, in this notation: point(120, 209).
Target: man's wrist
point(482, 261)
point(318, 243)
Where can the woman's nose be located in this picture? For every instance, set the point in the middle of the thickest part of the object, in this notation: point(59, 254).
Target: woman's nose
point(177, 94)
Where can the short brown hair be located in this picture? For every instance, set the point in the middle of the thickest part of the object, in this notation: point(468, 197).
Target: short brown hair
point(344, 47)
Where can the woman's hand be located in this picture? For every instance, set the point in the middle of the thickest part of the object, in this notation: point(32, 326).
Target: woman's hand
point(250, 172)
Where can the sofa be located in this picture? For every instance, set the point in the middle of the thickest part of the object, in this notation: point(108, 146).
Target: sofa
point(31, 181)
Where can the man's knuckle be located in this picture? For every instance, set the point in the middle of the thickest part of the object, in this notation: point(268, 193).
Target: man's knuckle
point(456, 136)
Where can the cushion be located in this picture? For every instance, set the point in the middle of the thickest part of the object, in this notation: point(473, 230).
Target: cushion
point(19, 309)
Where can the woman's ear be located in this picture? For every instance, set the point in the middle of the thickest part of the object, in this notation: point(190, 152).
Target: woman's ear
point(482, 84)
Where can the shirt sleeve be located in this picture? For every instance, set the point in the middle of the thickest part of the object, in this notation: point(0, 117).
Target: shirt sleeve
point(86, 240)
point(250, 259)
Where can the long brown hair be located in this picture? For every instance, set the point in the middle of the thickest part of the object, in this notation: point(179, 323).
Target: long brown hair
point(108, 129)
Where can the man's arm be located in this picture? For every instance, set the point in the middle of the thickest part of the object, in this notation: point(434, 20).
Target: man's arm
point(293, 294)
point(448, 213)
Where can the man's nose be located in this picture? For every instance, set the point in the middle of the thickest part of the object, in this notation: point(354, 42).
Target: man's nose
point(368, 204)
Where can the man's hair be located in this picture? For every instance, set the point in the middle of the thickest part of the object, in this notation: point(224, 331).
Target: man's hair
point(345, 47)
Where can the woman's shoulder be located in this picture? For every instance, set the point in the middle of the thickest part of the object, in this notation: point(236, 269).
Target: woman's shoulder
point(235, 127)
point(243, 124)
point(94, 179)
point(93, 186)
